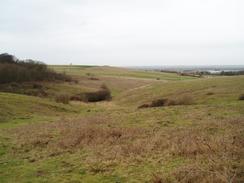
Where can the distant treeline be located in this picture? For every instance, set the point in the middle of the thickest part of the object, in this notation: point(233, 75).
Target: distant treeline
point(231, 73)
point(223, 73)
point(15, 70)
point(201, 73)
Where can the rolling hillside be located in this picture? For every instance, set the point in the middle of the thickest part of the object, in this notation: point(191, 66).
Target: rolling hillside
point(115, 141)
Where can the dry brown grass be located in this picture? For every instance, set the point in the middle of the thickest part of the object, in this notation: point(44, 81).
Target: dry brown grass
point(181, 100)
point(217, 171)
point(214, 155)
point(62, 98)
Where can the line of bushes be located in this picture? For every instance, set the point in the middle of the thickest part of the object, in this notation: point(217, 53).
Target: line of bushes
point(14, 70)
point(101, 95)
point(30, 88)
point(183, 100)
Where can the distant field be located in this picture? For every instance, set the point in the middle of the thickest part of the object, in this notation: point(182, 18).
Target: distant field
point(118, 72)
point(115, 141)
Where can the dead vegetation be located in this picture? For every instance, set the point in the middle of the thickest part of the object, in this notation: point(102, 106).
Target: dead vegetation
point(14, 70)
point(62, 98)
point(241, 97)
point(94, 78)
point(210, 93)
point(214, 156)
point(102, 94)
point(181, 100)
point(29, 88)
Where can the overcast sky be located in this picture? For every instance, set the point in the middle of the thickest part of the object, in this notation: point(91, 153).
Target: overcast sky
point(124, 32)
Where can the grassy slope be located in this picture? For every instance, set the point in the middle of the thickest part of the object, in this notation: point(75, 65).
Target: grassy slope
point(222, 89)
point(18, 109)
point(217, 116)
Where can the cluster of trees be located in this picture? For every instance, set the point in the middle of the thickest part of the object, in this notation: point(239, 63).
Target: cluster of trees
point(15, 70)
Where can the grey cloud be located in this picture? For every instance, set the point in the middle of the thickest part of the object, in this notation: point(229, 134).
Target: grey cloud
point(129, 32)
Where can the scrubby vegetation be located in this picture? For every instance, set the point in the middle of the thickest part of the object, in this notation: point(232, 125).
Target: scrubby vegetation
point(25, 77)
point(62, 98)
point(180, 100)
point(14, 70)
point(34, 89)
point(102, 94)
point(196, 136)
point(241, 97)
point(119, 145)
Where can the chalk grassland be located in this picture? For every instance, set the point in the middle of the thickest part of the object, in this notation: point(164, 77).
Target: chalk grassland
point(114, 141)
point(118, 72)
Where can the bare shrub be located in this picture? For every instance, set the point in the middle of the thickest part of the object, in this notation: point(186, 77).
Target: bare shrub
point(97, 96)
point(100, 95)
point(63, 98)
point(210, 93)
point(143, 106)
point(14, 70)
point(94, 78)
point(24, 88)
point(159, 103)
point(37, 86)
point(182, 100)
point(241, 97)
point(77, 97)
point(155, 103)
